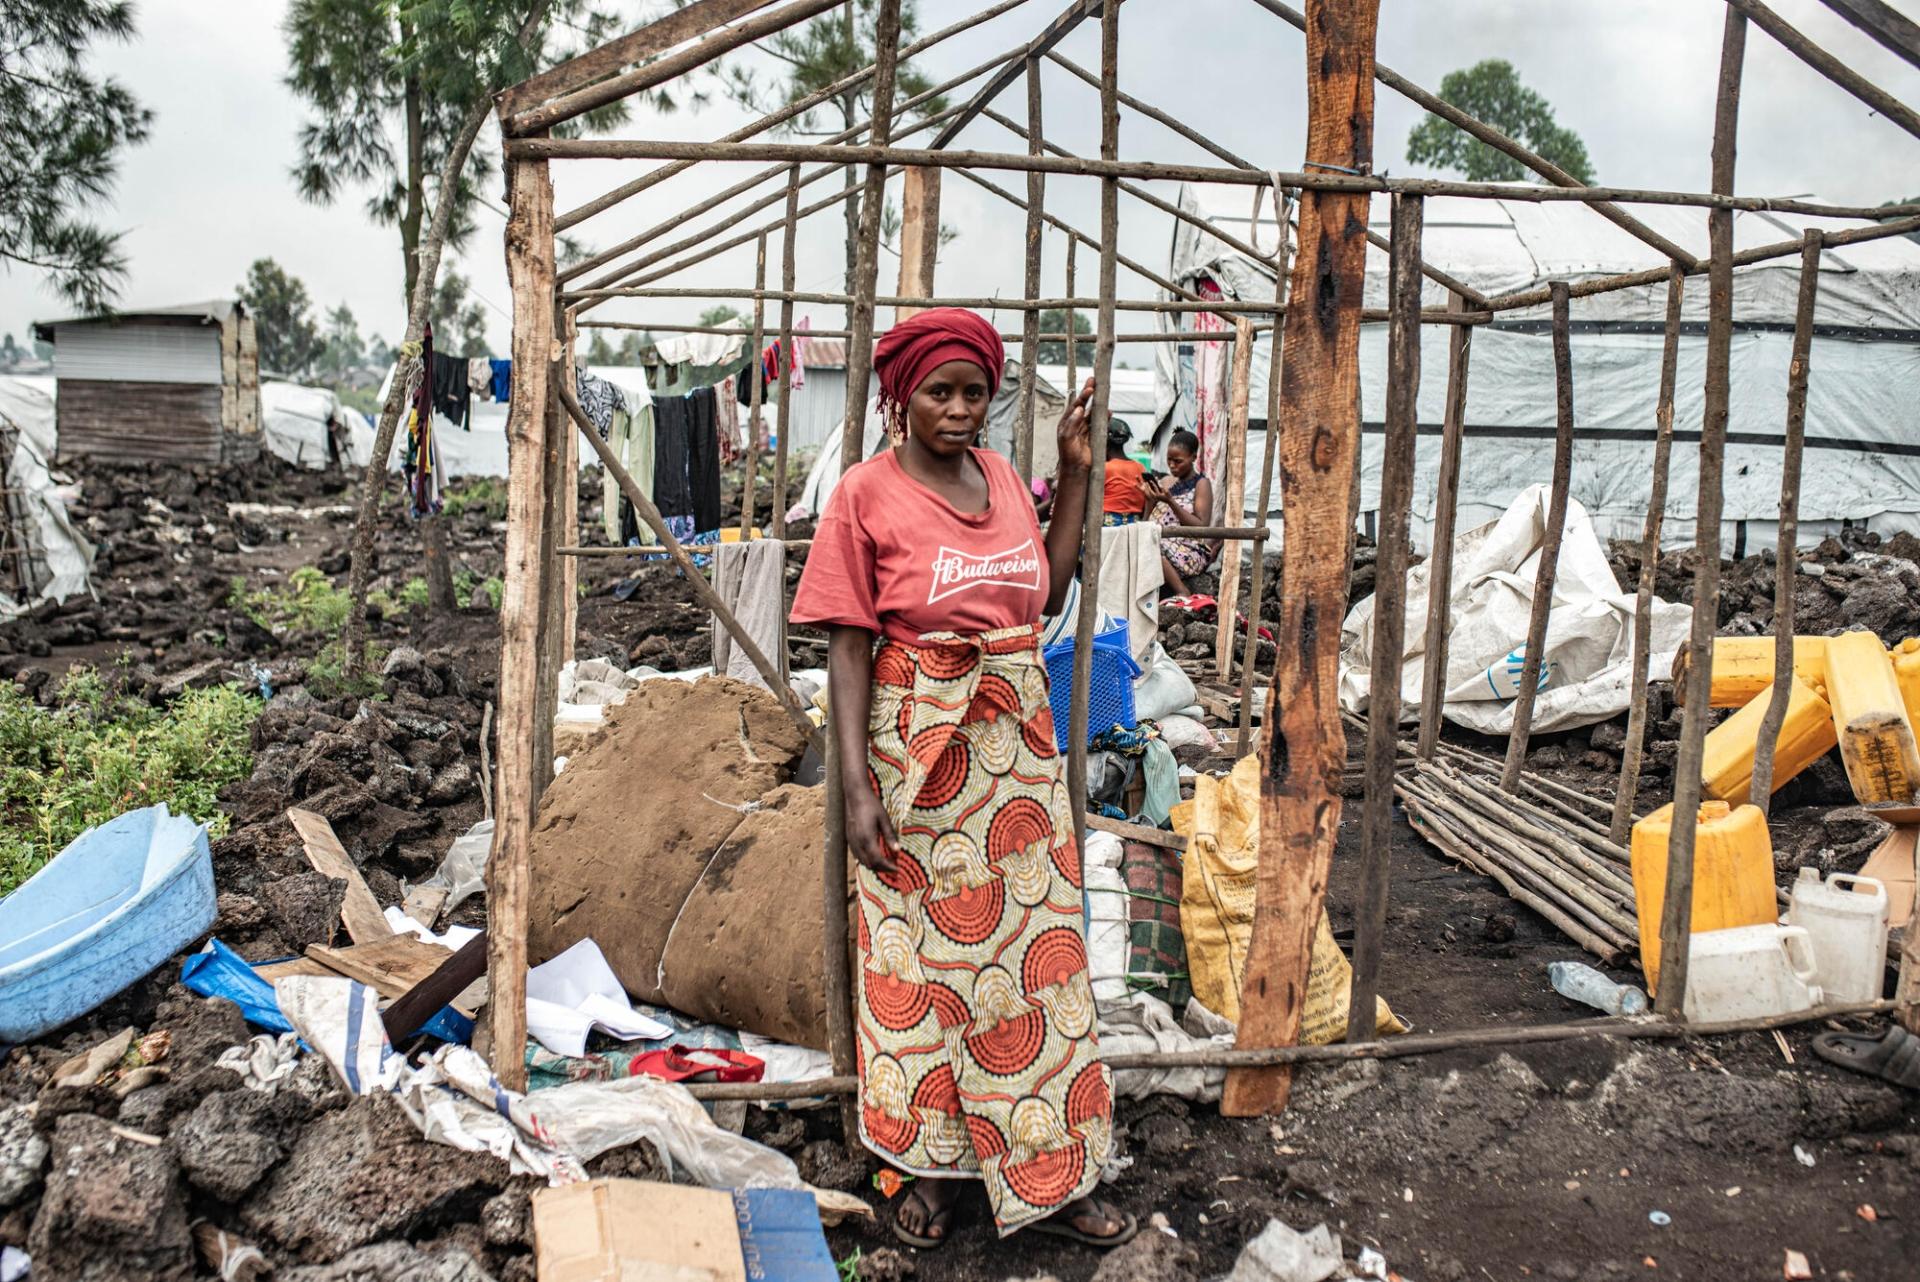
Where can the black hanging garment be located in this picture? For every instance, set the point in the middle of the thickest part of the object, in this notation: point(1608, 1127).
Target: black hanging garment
point(452, 393)
point(671, 492)
point(703, 458)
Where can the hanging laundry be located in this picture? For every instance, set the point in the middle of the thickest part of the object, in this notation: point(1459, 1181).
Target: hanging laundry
point(502, 384)
point(751, 580)
point(672, 493)
point(421, 466)
point(699, 349)
point(452, 394)
point(599, 398)
point(632, 443)
point(703, 458)
point(732, 444)
point(480, 376)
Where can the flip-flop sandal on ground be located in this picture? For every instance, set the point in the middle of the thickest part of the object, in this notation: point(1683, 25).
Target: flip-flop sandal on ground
point(942, 1217)
point(1064, 1228)
point(1894, 1056)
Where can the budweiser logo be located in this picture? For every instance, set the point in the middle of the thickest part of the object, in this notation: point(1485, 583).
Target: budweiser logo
point(955, 571)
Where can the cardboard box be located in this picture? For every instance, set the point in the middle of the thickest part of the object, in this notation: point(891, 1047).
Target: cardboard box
point(636, 1231)
point(1892, 864)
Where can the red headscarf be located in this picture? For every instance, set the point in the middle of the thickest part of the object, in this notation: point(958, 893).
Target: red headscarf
point(917, 346)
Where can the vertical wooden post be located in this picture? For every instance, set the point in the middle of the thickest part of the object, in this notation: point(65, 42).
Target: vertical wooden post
point(1620, 829)
point(1093, 530)
point(1305, 746)
point(1233, 497)
point(756, 389)
point(529, 249)
point(1030, 319)
point(568, 526)
point(1906, 990)
point(1676, 917)
point(1389, 612)
point(553, 578)
point(783, 412)
point(919, 234)
point(866, 263)
point(833, 887)
point(1786, 557)
point(1073, 344)
point(1446, 519)
point(1543, 580)
point(1269, 451)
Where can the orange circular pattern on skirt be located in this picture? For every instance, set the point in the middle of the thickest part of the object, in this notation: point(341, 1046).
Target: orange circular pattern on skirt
point(949, 1008)
point(947, 776)
point(1089, 1097)
point(893, 666)
point(894, 1134)
point(972, 916)
point(907, 875)
point(1017, 825)
point(1010, 1047)
point(1066, 857)
point(1047, 1179)
point(1053, 957)
point(896, 1003)
point(1037, 730)
point(948, 662)
point(988, 1142)
point(938, 1092)
point(995, 696)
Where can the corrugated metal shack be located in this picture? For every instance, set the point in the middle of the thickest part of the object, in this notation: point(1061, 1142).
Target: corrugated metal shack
point(173, 384)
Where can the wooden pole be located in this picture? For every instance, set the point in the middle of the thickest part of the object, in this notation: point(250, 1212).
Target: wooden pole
point(1389, 614)
point(1093, 529)
point(1621, 827)
point(529, 250)
point(1882, 102)
point(839, 935)
point(1233, 498)
point(1549, 571)
point(1053, 34)
point(756, 389)
point(567, 529)
point(783, 411)
point(1446, 518)
point(919, 235)
point(1676, 917)
point(1786, 558)
point(1073, 338)
point(1268, 452)
point(1894, 30)
point(1906, 991)
point(1305, 744)
point(867, 251)
point(1030, 321)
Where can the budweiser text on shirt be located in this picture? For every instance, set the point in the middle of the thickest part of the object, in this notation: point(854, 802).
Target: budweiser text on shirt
point(953, 571)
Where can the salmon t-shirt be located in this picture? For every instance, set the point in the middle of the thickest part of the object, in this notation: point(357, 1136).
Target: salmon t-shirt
point(891, 556)
point(1123, 493)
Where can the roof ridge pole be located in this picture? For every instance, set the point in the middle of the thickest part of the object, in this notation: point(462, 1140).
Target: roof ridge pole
point(1055, 32)
point(1030, 321)
point(1829, 66)
point(1676, 917)
point(1884, 23)
point(1093, 530)
point(1304, 748)
point(1792, 447)
point(1630, 758)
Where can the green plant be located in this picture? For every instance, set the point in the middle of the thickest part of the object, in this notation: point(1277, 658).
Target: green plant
point(470, 591)
point(486, 493)
point(306, 602)
point(99, 753)
point(849, 1268)
point(327, 673)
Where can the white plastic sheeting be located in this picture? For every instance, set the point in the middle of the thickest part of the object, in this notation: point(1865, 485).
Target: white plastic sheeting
point(27, 399)
point(1863, 422)
point(296, 422)
point(1586, 669)
point(53, 539)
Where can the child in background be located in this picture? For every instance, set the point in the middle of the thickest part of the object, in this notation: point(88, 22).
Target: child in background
point(1125, 497)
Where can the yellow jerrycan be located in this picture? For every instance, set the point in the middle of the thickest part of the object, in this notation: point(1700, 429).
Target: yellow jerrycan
point(1732, 874)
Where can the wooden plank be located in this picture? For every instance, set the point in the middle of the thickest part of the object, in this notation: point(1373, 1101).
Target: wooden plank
point(676, 27)
point(1056, 31)
point(389, 967)
point(360, 913)
point(529, 245)
point(919, 235)
point(423, 903)
point(1893, 29)
point(1137, 832)
point(1233, 499)
point(1304, 743)
point(161, 422)
point(1882, 102)
point(295, 966)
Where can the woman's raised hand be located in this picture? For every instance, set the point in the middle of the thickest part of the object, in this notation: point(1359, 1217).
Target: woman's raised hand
point(1076, 449)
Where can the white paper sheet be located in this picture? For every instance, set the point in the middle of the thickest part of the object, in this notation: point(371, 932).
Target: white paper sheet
point(577, 991)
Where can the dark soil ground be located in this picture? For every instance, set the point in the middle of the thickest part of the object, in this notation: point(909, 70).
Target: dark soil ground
point(1541, 1161)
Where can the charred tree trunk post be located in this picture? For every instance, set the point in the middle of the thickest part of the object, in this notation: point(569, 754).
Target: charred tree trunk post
point(1030, 321)
point(1446, 519)
point(1319, 434)
point(1389, 612)
point(1676, 916)
point(1268, 453)
point(833, 888)
point(1233, 499)
point(529, 245)
point(1543, 582)
point(1785, 549)
point(789, 265)
point(756, 390)
point(1093, 530)
point(1630, 758)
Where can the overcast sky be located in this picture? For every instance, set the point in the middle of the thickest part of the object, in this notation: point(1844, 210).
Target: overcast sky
point(210, 191)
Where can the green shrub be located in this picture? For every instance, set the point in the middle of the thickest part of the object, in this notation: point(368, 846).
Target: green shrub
point(471, 591)
point(306, 602)
point(487, 493)
point(327, 673)
point(99, 754)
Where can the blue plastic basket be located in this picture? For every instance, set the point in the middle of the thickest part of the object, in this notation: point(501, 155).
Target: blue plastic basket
point(1109, 693)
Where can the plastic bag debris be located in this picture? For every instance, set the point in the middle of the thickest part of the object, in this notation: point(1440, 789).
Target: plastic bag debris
point(1282, 1254)
point(463, 873)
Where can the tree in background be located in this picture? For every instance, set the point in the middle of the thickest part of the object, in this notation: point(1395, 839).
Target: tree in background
point(1054, 321)
point(61, 132)
point(459, 321)
point(1491, 91)
point(601, 352)
point(343, 353)
point(820, 53)
point(722, 315)
point(283, 318)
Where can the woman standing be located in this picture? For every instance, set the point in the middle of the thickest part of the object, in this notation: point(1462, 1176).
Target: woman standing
point(1188, 501)
point(974, 1014)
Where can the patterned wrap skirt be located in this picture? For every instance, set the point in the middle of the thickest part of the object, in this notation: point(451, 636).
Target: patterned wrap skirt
point(975, 1014)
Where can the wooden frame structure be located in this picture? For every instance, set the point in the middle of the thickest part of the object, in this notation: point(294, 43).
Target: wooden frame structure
point(1313, 427)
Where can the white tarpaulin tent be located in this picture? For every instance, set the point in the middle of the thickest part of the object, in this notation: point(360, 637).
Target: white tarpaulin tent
point(297, 422)
point(1863, 421)
point(53, 556)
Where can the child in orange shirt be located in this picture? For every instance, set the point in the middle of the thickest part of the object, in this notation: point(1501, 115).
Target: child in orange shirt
point(1125, 498)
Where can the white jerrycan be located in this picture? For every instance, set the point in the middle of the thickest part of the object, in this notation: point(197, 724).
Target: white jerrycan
point(1848, 928)
point(1749, 972)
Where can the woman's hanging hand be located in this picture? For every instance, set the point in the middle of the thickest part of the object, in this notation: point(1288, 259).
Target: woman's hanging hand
point(870, 836)
point(1076, 449)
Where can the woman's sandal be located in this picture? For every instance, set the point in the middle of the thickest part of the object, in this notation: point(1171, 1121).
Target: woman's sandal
point(1894, 1056)
point(1058, 1227)
point(940, 1217)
